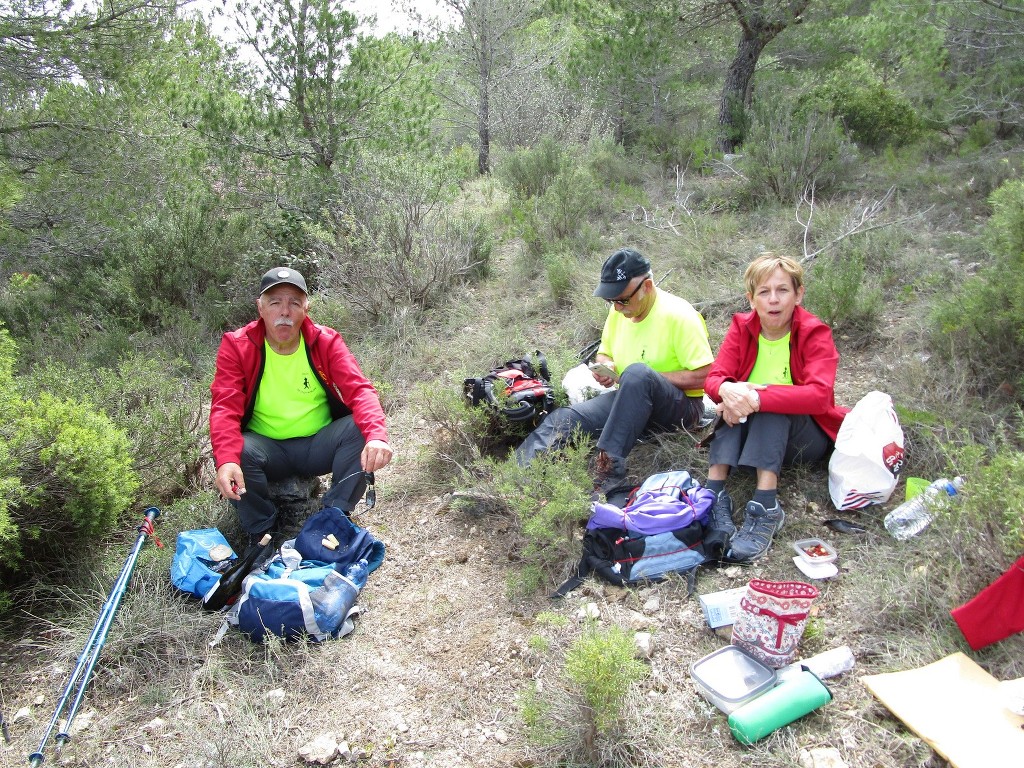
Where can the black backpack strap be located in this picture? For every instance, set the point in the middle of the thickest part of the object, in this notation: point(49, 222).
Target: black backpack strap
point(582, 571)
point(542, 365)
point(590, 351)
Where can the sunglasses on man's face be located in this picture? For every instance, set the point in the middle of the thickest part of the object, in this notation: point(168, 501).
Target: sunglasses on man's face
point(624, 300)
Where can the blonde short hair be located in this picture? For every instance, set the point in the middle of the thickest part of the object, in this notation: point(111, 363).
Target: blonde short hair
point(761, 268)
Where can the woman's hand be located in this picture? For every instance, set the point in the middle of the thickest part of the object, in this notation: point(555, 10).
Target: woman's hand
point(739, 400)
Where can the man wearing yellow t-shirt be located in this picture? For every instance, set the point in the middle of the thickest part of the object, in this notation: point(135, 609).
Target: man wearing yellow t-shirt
point(290, 399)
point(657, 346)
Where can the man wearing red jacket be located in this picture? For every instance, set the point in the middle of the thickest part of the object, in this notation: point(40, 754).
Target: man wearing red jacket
point(290, 399)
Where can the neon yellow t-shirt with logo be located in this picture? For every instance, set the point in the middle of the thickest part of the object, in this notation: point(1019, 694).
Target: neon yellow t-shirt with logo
point(772, 364)
point(290, 401)
point(673, 337)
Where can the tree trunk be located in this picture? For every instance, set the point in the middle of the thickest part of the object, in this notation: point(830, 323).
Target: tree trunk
point(483, 115)
point(737, 91)
point(761, 21)
point(483, 131)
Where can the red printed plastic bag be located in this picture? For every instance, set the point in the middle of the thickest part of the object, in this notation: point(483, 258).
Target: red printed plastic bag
point(772, 618)
point(866, 463)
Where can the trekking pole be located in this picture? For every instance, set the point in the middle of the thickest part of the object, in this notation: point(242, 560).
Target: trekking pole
point(82, 672)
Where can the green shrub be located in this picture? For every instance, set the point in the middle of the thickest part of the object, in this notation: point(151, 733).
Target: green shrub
point(158, 408)
point(528, 172)
point(603, 665)
point(610, 164)
point(65, 473)
point(561, 268)
point(842, 293)
point(559, 217)
point(874, 115)
point(787, 151)
point(548, 499)
point(987, 519)
point(980, 325)
point(390, 236)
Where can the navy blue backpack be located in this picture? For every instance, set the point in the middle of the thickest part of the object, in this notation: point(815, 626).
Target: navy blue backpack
point(303, 590)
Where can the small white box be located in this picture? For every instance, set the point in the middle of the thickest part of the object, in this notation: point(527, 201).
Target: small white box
point(721, 608)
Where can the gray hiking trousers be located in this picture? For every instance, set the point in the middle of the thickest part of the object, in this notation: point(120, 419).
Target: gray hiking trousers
point(645, 401)
point(769, 441)
point(336, 448)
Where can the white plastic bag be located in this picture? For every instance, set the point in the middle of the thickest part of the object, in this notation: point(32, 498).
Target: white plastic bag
point(579, 384)
point(868, 457)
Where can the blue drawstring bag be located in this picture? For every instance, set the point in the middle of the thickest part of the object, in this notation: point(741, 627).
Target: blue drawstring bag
point(192, 567)
point(354, 543)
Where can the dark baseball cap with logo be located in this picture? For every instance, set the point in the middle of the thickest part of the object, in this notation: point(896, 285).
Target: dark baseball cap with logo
point(621, 267)
point(282, 276)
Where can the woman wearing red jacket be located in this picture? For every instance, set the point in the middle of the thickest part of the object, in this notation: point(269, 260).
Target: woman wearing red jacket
point(774, 385)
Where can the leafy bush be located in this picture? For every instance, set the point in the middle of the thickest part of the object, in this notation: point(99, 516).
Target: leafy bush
point(981, 324)
point(155, 405)
point(561, 267)
point(603, 664)
point(560, 215)
point(390, 237)
point(591, 716)
point(609, 164)
point(65, 473)
point(842, 293)
point(548, 500)
point(787, 151)
point(528, 172)
point(874, 115)
point(988, 517)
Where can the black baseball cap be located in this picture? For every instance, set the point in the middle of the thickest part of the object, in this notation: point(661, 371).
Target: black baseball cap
point(621, 267)
point(281, 276)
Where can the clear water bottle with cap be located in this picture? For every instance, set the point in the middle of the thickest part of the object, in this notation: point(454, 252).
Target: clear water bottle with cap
point(334, 599)
point(914, 515)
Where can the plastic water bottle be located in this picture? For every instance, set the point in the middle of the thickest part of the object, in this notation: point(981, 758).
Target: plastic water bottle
point(334, 599)
point(913, 516)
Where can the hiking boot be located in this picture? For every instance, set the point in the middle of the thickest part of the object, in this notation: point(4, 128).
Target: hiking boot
point(609, 472)
point(754, 537)
point(719, 527)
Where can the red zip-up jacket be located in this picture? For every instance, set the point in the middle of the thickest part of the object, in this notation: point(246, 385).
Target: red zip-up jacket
point(813, 360)
point(240, 361)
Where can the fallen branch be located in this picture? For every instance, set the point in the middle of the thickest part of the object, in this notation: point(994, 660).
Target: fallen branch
point(856, 224)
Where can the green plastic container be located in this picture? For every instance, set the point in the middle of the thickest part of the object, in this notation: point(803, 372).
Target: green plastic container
point(786, 702)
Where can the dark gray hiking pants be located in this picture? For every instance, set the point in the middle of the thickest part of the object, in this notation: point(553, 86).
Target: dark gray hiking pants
point(336, 448)
point(769, 441)
point(644, 401)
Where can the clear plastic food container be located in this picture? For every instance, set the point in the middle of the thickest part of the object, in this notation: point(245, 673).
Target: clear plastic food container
point(729, 678)
point(815, 551)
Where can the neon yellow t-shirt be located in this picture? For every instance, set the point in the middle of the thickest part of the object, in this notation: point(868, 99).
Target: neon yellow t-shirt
point(673, 337)
point(290, 401)
point(772, 363)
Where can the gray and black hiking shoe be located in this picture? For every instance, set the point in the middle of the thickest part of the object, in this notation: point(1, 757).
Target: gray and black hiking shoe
point(720, 528)
point(609, 473)
point(754, 537)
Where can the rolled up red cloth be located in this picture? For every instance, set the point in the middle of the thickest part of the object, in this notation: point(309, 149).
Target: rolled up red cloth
point(996, 612)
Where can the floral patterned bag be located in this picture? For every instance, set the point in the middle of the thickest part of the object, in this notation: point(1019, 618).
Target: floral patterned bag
point(771, 620)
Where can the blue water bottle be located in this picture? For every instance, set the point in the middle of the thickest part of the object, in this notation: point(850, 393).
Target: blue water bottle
point(333, 601)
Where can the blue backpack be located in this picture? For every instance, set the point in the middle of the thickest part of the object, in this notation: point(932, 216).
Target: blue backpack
point(308, 588)
point(192, 569)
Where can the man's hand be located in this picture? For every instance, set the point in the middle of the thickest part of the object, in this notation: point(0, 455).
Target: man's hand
point(600, 378)
point(739, 400)
point(230, 481)
point(376, 455)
